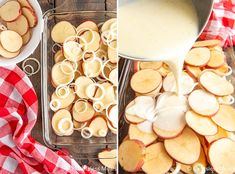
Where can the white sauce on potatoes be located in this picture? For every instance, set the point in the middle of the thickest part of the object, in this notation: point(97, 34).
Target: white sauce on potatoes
point(158, 30)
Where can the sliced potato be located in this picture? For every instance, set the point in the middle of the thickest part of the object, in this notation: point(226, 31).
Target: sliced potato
point(11, 41)
point(92, 68)
point(145, 81)
point(112, 53)
point(167, 134)
point(88, 24)
point(201, 125)
point(106, 26)
point(59, 56)
point(217, 59)
point(92, 39)
point(150, 65)
point(215, 84)
point(65, 102)
point(108, 158)
point(136, 134)
point(82, 111)
point(222, 156)
point(10, 11)
point(134, 119)
point(26, 38)
point(131, 155)
point(7, 54)
point(221, 133)
point(61, 31)
point(82, 83)
point(99, 126)
point(156, 159)
point(203, 103)
point(184, 148)
point(30, 15)
point(20, 25)
point(193, 71)
point(207, 43)
point(225, 117)
point(25, 3)
point(198, 56)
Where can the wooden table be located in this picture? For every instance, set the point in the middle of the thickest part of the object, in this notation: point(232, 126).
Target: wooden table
point(35, 79)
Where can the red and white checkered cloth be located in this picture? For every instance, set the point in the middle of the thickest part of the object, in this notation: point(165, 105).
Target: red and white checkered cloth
point(221, 24)
point(19, 152)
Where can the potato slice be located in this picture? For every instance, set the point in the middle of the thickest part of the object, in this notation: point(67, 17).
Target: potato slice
point(59, 56)
point(167, 134)
point(82, 111)
point(217, 59)
point(193, 71)
point(106, 26)
point(108, 158)
point(95, 44)
point(30, 15)
point(99, 126)
point(215, 84)
point(156, 159)
point(26, 38)
point(25, 3)
point(187, 83)
point(131, 155)
point(221, 133)
point(63, 113)
point(207, 43)
point(65, 102)
point(7, 54)
point(20, 25)
point(198, 57)
point(59, 77)
point(150, 65)
point(225, 117)
point(153, 93)
point(222, 156)
point(145, 81)
point(11, 41)
point(92, 68)
point(201, 125)
point(136, 134)
point(184, 148)
point(10, 11)
point(134, 119)
point(88, 24)
point(82, 83)
point(203, 103)
point(61, 31)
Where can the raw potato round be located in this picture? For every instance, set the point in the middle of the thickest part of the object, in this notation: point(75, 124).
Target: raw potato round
point(136, 134)
point(7, 54)
point(82, 83)
point(25, 3)
point(83, 116)
point(222, 156)
point(10, 11)
point(132, 118)
point(108, 158)
point(92, 68)
point(58, 77)
point(221, 133)
point(225, 117)
point(98, 124)
point(150, 65)
point(65, 102)
point(106, 26)
point(167, 134)
point(20, 25)
point(131, 155)
point(30, 15)
point(92, 46)
point(145, 81)
point(59, 56)
point(193, 71)
point(26, 38)
point(207, 43)
point(63, 113)
point(112, 53)
point(217, 59)
point(198, 56)
point(203, 103)
point(88, 24)
point(201, 125)
point(185, 148)
point(156, 159)
point(215, 84)
point(11, 41)
point(61, 31)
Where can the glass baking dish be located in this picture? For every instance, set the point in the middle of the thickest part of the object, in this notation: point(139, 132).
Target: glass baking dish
point(126, 69)
point(86, 146)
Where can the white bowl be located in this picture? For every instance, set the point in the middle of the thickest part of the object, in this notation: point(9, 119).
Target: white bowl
point(30, 47)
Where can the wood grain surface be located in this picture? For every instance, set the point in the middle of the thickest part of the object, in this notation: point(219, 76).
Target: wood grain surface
point(86, 5)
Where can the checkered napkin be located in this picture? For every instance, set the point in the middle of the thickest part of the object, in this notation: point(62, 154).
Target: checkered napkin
point(221, 24)
point(19, 152)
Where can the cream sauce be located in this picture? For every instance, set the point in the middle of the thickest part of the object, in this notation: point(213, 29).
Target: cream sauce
point(158, 30)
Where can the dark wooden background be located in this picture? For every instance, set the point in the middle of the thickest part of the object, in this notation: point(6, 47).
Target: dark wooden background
point(83, 5)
